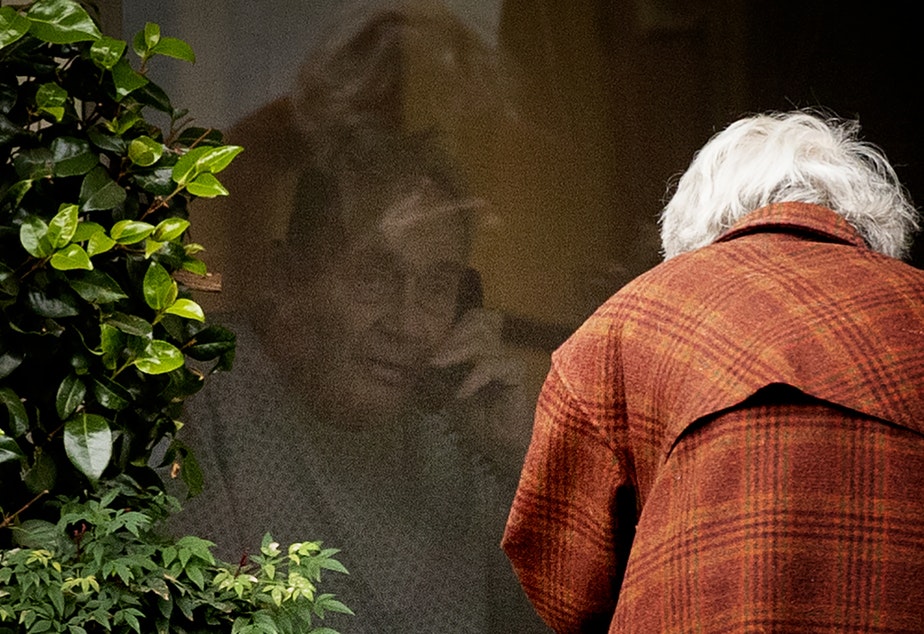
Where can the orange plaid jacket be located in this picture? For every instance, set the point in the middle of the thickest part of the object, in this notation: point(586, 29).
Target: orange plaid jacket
point(734, 442)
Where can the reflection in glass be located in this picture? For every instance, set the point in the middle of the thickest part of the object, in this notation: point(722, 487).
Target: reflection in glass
point(373, 401)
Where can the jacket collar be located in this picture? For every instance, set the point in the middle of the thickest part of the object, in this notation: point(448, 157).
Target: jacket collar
point(804, 219)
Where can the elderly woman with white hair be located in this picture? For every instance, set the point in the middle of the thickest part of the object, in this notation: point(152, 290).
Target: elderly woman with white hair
point(735, 440)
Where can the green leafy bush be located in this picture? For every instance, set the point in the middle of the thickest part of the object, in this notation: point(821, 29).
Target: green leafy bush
point(101, 342)
point(103, 568)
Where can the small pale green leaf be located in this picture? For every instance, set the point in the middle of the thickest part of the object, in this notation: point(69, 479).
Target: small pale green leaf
point(160, 289)
point(151, 35)
point(195, 266)
point(206, 186)
point(170, 229)
point(70, 258)
point(204, 159)
point(72, 157)
point(218, 158)
point(174, 47)
point(97, 287)
point(51, 98)
point(61, 22)
point(99, 243)
point(98, 191)
point(85, 230)
point(70, 396)
point(126, 79)
point(88, 443)
point(186, 168)
point(145, 151)
point(12, 26)
point(160, 357)
point(107, 51)
point(130, 231)
point(33, 235)
point(16, 411)
point(63, 226)
point(124, 123)
point(186, 308)
point(152, 246)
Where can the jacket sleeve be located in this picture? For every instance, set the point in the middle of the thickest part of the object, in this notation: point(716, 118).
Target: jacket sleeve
point(564, 534)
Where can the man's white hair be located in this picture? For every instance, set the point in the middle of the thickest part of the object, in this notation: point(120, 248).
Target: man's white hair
point(795, 156)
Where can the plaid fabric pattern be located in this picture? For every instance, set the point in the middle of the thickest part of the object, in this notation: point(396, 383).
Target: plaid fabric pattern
point(734, 442)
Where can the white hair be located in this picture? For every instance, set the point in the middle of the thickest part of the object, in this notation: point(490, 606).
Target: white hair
point(795, 156)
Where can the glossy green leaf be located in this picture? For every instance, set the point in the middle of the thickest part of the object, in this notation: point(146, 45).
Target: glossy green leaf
point(88, 443)
point(206, 186)
point(157, 180)
point(70, 395)
point(54, 305)
point(17, 192)
point(9, 282)
point(139, 45)
point(159, 288)
point(10, 450)
point(51, 98)
point(33, 235)
point(63, 226)
point(99, 243)
point(9, 361)
point(111, 343)
point(12, 26)
point(160, 357)
point(170, 229)
point(72, 157)
point(97, 287)
point(210, 343)
point(111, 395)
point(43, 473)
point(99, 192)
point(109, 142)
point(174, 47)
point(130, 324)
point(70, 258)
point(130, 231)
point(126, 79)
point(145, 151)
point(61, 22)
point(35, 164)
point(153, 95)
point(107, 51)
point(16, 412)
point(186, 308)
